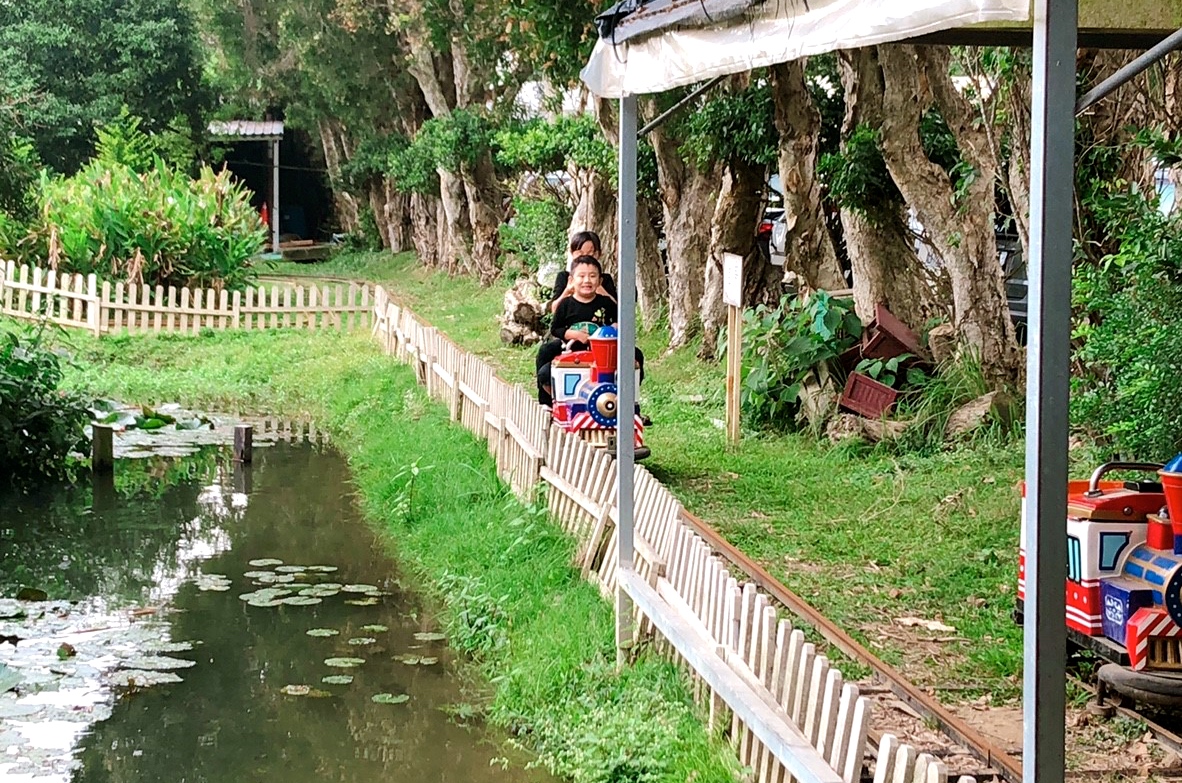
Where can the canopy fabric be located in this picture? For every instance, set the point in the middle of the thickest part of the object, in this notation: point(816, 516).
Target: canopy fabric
point(773, 33)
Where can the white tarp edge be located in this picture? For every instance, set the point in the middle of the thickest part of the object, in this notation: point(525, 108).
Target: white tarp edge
point(666, 60)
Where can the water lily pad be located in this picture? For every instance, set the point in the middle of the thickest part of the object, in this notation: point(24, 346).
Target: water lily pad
point(360, 640)
point(409, 660)
point(13, 709)
point(390, 698)
point(156, 663)
point(302, 600)
point(296, 690)
point(171, 647)
point(264, 595)
point(318, 592)
point(263, 562)
point(9, 678)
point(430, 637)
point(290, 569)
point(427, 661)
point(324, 569)
point(266, 603)
point(275, 579)
point(256, 574)
point(359, 589)
point(344, 663)
point(213, 582)
point(363, 602)
point(375, 628)
point(10, 609)
point(139, 678)
point(323, 632)
point(335, 586)
point(337, 679)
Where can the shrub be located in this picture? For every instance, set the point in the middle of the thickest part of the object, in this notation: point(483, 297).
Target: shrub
point(537, 233)
point(785, 345)
point(40, 424)
point(159, 227)
point(1129, 393)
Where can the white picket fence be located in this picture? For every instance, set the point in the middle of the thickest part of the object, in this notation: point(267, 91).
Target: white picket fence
point(78, 301)
point(785, 705)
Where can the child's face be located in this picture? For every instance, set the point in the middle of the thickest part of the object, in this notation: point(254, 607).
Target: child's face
point(586, 278)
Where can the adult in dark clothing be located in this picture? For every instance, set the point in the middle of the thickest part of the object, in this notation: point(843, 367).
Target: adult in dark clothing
point(583, 243)
point(584, 305)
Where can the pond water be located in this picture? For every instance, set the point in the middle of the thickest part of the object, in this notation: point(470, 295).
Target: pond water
point(154, 571)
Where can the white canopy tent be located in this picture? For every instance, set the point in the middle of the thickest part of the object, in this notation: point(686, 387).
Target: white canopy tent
point(750, 34)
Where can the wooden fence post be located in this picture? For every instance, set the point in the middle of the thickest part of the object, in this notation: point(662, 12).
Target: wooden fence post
point(102, 448)
point(243, 442)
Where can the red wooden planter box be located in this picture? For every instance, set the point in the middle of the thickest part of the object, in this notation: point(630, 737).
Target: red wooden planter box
point(867, 397)
point(887, 337)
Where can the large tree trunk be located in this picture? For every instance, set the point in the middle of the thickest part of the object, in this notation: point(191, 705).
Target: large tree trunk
point(424, 228)
point(960, 224)
point(332, 140)
point(651, 286)
point(736, 217)
point(810, 250)
point(455, 249)
point(886, 269)
point(484, 215)
point(688, 197)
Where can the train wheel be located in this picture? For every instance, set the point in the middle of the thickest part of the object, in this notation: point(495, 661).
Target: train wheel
point(1160, 688)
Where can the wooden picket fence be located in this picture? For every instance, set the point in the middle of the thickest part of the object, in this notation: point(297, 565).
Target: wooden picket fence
point(82, 302)
point(786, 706)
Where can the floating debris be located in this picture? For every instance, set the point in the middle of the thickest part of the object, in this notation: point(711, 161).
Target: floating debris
point(390, 698)
point(344, 663)
point(323, 632)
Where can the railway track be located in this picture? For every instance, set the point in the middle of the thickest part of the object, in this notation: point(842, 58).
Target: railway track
point(997, 761)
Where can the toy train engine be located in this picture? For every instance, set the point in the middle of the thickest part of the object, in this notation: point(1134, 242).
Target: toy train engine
point(585, 394)
point(1124, 578)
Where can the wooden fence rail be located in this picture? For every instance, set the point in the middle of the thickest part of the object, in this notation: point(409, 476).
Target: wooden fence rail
point(78, 301)
point(789, 712)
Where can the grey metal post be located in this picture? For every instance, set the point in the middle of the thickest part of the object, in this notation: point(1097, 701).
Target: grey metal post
point(1047, 388)
point(275, 195)
point(626, 375)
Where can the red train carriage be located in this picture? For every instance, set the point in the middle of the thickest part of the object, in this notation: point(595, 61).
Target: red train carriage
point(1124, 577)
point(585, 393)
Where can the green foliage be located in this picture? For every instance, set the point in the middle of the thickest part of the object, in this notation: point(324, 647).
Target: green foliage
point(932, 400)
point(456, 139)
point(159, 227)
point(939, 144)
point(785, 345)
point(1127, 334)
point(124, 141)
point(544, 145)
point(886, 371)
point(40, 424)
point(537, 232)
point(734, 125)
point(857, 178)
point(71, 65)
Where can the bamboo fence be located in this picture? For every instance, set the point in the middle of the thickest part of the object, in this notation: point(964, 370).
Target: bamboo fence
point(783, 704)
point(77, 301)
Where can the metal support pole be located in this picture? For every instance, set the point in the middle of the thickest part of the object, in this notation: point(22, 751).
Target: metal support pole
point(625, 375)
point(1127, 72)
point(275, 195)
point(1047, 388)
point(660, 119)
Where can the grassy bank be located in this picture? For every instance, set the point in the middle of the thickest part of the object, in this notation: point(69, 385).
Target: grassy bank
point(535, 629)
point(875, 539)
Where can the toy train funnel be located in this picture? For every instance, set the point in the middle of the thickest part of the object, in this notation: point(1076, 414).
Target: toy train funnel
point(605, 348)
point(1171, 484)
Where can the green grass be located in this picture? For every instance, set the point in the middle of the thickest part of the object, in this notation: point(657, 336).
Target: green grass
point(865, 535)
point(541, 634)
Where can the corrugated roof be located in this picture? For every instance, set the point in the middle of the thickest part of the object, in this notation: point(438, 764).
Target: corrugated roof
point(247, 129)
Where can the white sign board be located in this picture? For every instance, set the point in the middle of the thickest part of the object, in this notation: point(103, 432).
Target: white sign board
point(732, 279)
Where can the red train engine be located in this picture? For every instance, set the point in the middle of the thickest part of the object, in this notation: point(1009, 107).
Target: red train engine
point(1124, 577)
point(585, 394)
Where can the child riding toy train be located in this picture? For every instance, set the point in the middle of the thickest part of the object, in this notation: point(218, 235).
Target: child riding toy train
point(1124, 578)
point(577, 367)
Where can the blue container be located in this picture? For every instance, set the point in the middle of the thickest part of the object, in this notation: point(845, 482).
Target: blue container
point(1120, 599)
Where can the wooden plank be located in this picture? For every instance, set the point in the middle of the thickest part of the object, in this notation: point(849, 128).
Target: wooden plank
point(158, 315)
point(766, 721)
point(171, 324)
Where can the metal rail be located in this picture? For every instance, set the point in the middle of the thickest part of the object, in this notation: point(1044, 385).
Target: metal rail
point(1006, 765)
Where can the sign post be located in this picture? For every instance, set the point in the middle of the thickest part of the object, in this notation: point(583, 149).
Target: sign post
point(732, 297)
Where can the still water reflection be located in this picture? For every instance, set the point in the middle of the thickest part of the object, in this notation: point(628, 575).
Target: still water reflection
point(144, 561)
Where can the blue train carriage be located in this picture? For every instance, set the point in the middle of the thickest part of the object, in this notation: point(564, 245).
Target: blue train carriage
point(585, 395)
point(1124, 578)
